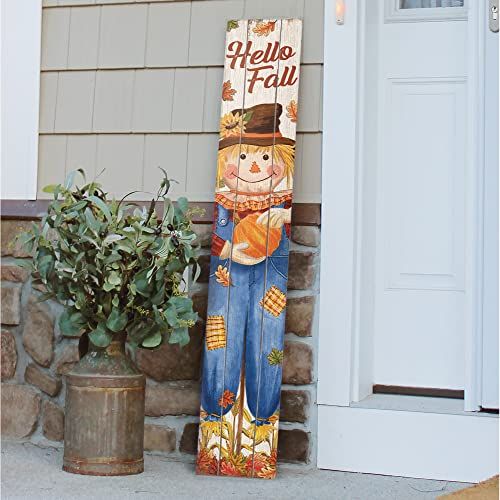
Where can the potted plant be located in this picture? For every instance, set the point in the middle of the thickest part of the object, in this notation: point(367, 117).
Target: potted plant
point(119, 271)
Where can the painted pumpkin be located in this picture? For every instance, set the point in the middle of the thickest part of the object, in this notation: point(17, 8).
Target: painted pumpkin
point(248, 231)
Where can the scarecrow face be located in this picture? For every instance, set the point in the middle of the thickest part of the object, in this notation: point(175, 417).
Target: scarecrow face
point(253, 171)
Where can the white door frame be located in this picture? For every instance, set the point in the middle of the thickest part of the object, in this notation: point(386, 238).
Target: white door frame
point(341, 377)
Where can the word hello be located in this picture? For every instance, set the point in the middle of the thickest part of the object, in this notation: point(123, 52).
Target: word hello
point(271, 54)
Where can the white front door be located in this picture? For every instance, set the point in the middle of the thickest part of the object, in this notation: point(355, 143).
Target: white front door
point(403, 298)
point(419, 193)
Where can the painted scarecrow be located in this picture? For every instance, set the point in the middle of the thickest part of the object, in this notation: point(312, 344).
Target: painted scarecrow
point(249, 265)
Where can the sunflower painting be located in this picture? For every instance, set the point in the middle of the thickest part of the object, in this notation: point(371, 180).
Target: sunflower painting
point(244, 336)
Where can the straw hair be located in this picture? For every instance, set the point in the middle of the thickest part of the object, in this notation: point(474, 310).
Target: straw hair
point(284, 154)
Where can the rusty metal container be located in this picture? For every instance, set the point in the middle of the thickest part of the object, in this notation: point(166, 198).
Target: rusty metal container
point(104, 422)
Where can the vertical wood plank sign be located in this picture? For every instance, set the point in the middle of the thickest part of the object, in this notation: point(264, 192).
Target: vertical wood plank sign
point(243, 350)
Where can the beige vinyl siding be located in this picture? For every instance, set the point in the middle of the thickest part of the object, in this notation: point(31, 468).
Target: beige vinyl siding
point(128, 86)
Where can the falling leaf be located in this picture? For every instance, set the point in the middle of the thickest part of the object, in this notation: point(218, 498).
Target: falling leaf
point(232, 25)
point(275, 357)
point(263, 29)
point(222, 275)
point(227, 91)
point(226, 399)
point(292, 111)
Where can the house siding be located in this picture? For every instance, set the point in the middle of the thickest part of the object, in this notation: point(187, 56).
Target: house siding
point(138, 83)
point(125, 87)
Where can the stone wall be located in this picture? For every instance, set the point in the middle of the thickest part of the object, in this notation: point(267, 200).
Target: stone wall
point(35, 356)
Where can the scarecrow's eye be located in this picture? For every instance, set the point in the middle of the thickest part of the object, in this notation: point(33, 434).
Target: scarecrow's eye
point(243, 156)
point(265, 157)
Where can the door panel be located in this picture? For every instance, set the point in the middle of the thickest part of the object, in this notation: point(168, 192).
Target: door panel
point(423, 185)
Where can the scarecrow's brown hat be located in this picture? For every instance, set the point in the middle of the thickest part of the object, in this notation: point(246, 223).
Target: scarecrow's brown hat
point(260, 127)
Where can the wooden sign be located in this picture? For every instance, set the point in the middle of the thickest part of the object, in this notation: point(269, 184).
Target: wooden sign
point(243, 352)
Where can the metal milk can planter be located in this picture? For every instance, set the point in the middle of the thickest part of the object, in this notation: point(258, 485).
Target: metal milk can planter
point(104, 422)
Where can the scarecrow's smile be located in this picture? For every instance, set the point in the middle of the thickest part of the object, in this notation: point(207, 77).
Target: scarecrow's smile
point(254, 182)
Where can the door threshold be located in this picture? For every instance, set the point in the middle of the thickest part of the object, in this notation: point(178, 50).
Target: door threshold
point(423, 404)
point(403, 390)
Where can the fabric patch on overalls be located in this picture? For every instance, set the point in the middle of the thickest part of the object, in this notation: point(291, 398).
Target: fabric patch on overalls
point(216, 333)
point(274, 301)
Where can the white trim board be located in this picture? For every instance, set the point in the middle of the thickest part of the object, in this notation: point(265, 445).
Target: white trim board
point(20, 64)
point(408, 443)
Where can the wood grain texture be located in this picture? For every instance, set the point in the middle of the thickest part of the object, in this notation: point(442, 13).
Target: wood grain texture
point(243, 352)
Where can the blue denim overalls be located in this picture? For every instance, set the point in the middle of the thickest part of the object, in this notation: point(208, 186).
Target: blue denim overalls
point(254, 303)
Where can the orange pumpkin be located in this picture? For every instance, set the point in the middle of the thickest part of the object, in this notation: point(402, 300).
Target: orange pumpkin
point(248, 231)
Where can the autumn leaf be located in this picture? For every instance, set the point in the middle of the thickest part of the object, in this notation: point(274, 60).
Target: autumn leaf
point(222, 275)
point(227, 91)
point(268, 472)
point(263, 29)
point(275, 357)
point(274, 418)
point(292, 111)
point(226, 399)
point(206, 462)
point(256, 462)
point(232, 25)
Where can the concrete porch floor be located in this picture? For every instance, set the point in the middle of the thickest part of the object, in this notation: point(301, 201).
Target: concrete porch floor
point(33, 472)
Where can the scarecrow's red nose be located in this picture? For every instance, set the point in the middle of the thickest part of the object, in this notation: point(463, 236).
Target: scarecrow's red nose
point(254, 168)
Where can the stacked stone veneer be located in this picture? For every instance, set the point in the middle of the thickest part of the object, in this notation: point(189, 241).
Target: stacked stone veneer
point(35, 356)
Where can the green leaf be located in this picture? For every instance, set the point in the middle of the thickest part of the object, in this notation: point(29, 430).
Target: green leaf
point(142, 284)
point(117, 321)
point(171, 316)
point(182, 304)
point(70, 178)
point(232, 24)
point(114, 257)
point(179, 336)
point(100, 336)
point(91, 221)
point(51, 188)
point(79, 205)
point(102, 207)
point(114, 278)
point(158, 297)
point(153, 340)
point(182, 204)
point(45, 266)
point(111, 238)
point(107, 287)
point(168, 213)
point(71, 322)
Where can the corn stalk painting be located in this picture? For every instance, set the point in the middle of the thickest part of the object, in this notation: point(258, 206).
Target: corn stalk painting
point(243, 351)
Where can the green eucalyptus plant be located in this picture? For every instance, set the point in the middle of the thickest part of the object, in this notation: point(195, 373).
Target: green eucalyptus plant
point(115, 266)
